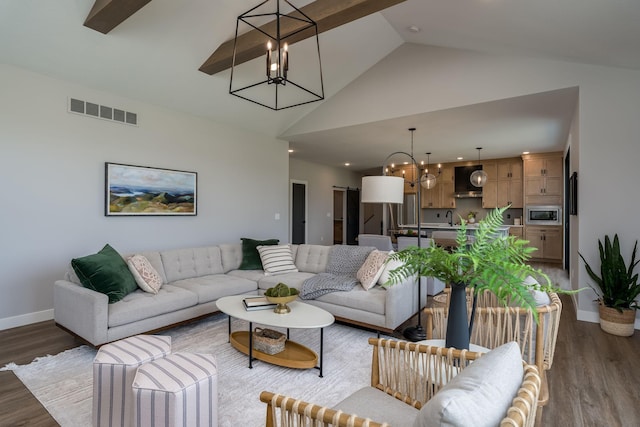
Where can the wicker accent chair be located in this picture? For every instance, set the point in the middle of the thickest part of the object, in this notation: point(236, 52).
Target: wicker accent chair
point(495, 324)
point(412, 374)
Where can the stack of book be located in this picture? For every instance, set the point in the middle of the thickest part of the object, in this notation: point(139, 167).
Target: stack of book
point(257, 303)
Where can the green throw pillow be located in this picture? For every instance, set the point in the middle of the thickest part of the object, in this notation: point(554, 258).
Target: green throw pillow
point(250, 255)
point(105, 272)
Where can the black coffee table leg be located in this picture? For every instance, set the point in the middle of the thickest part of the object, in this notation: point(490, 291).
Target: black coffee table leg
point(250, 345)
point(321, 348)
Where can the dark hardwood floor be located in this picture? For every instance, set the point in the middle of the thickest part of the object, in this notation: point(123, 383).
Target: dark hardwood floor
point(594, 381)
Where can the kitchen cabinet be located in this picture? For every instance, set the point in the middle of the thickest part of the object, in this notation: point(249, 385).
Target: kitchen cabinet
point(448, 188)
point(490, 189)
point(408, 172)
point(442, 195)
point(516, 231)
point(548, 241)
point(543, 178)
point(510, 187)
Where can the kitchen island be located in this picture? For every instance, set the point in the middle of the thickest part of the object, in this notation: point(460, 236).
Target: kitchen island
point(445, 233)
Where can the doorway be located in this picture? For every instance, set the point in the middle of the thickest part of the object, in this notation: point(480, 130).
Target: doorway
point(346, 216)
point(298, 212)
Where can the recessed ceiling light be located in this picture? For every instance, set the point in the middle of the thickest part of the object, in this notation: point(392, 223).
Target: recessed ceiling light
point(290, 150)
point(413, 29)
point(525, 152)
point(347, 164)
point(460, 158)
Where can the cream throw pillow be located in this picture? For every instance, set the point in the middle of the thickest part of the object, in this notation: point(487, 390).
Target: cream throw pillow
point(372, 269)
point(146, 276)
point(276, 259)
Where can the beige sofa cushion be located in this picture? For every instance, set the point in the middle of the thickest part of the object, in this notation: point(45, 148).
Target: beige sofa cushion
point(193, 262)
point(312, 258)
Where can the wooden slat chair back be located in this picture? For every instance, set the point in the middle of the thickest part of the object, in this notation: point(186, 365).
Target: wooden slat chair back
point(410, 372)
point(495, 324)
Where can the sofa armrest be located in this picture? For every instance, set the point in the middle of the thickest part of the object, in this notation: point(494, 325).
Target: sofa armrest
point(401, 302)
point(82, 311)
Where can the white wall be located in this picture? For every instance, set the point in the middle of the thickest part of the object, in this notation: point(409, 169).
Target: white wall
point(428, 78)
point(321, 180)
point(52, 175)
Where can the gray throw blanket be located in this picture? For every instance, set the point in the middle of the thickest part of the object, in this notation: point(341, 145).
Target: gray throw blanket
point(323, 283)
point(344, 263)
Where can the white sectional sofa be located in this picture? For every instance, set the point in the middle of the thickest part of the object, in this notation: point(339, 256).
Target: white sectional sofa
point(196, 277)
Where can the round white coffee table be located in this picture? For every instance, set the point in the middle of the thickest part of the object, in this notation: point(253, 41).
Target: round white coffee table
point(302, 316)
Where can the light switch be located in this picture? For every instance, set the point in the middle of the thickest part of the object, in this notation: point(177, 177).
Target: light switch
point(277, 216)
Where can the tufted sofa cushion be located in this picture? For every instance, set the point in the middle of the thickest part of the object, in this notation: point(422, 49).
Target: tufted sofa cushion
point(140, 305)
point(187, 263)
point(312, 258)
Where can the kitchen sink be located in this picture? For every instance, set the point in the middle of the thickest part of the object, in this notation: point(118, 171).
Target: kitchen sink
point(435, 224)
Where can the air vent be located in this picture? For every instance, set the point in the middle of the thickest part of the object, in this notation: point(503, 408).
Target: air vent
point(98, 111)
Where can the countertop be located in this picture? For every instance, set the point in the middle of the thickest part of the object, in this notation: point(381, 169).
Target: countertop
point(447, 226)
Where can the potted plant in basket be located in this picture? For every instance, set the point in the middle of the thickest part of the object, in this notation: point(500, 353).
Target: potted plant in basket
point(618, 288)
point(492, 261)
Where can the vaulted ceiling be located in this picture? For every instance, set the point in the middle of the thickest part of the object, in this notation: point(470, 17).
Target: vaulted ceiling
point(154, 55)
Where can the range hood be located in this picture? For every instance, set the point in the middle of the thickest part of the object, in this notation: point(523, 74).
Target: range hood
point(468, 194)
point(464, 189)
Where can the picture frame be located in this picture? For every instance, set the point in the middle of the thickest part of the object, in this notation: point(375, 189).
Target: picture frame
point(573, 194)
point(149, 191)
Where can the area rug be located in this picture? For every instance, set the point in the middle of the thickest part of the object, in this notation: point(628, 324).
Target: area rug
point(63, 382)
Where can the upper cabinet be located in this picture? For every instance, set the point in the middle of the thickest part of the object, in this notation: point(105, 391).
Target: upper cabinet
point(442, 195)
point(490, 189)
point(408, 172)
point(543, 178)
point(504, 183)
point(510, 183)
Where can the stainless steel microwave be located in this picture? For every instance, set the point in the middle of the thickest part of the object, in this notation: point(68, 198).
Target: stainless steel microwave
point(543, 215)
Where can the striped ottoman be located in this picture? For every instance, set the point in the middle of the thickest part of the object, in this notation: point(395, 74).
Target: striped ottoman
point(114, 368)
point(178, 390)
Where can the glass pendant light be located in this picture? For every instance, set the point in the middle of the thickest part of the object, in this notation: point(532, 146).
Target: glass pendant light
point(479, 177)
point(428, 180)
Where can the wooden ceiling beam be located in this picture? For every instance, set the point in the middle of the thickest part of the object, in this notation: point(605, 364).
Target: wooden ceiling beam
point(105, 15)
point(328, 14)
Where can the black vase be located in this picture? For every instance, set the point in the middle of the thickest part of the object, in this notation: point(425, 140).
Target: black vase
point(458, 333)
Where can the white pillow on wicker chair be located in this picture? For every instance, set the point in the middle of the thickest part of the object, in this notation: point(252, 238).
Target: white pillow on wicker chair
point(478, 396)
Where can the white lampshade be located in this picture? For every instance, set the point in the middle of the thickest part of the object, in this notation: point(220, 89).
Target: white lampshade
point(382, 189)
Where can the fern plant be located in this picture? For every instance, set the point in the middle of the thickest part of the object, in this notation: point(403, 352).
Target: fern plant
point(491, 261)
point(618, 285)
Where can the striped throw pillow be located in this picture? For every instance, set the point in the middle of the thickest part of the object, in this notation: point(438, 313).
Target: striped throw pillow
point(276, 259)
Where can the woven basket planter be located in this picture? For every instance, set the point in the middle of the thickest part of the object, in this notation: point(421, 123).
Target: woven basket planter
point(616, 323)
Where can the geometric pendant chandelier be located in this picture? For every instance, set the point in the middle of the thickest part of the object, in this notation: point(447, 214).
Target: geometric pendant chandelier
point(287, 75)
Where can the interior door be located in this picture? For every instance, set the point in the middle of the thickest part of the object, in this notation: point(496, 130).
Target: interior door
point(298, 213)
point(353, 216)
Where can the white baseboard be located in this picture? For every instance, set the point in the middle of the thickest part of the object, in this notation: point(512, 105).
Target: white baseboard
point(594, 317)
point(26, 319)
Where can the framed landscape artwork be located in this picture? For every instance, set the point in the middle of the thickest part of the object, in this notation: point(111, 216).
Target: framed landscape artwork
point(146, 191)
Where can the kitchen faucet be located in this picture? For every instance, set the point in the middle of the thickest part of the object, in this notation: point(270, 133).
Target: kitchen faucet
point(449, 212)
